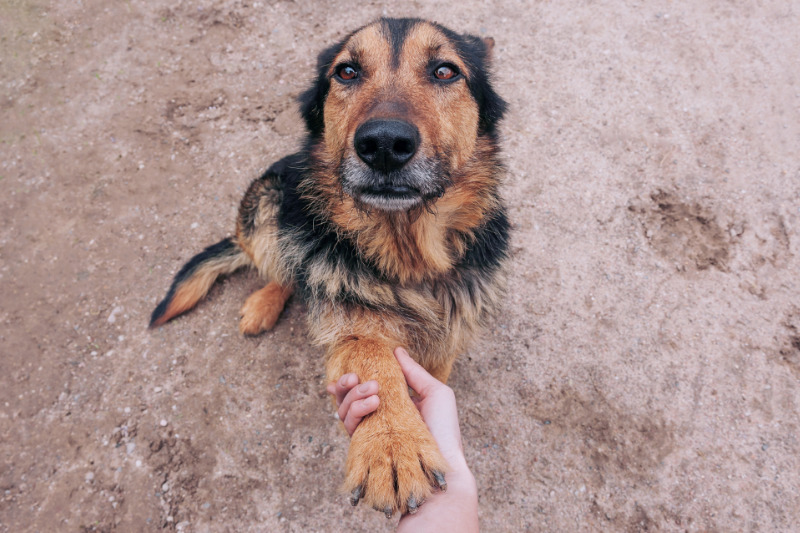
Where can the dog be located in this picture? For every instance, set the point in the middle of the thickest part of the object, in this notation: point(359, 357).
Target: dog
point(389, 224)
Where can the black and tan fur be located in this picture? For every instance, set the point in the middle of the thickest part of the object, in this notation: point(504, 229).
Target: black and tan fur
point(418, 266)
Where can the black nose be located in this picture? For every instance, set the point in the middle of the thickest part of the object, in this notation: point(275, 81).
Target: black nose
point(386, 145)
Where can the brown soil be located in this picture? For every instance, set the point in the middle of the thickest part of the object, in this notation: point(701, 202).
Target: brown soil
point(644, 374)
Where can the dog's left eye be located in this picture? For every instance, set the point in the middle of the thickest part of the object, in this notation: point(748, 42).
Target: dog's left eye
point(446, 72)
point(346, 72)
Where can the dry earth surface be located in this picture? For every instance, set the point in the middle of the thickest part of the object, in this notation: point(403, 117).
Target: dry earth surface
point(643, 376)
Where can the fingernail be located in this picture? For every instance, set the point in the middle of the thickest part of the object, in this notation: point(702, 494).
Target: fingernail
point(343, 381)
point(364, 387)
point(402, 351)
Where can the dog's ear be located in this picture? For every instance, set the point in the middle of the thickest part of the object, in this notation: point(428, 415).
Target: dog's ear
point(477, 53)
point(312, 100)
point(489, 43)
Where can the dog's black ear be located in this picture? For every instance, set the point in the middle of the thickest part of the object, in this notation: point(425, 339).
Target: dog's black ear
point(312, 100)
point(477, 53)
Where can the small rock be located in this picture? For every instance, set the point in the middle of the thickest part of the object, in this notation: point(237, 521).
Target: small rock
point(165, 487)
point(113, 316)
point(89, 477)
point(130, 447)
point(163, 423)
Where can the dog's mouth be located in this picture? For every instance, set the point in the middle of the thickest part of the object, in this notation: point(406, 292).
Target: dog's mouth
point(420, 182)
point(390, 197)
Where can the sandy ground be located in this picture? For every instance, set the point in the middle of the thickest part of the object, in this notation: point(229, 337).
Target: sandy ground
point(643, 376)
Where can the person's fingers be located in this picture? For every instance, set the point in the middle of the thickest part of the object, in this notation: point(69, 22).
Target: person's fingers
point(416, 376)
point(342, 386)
point(359, 392)
point(358, 410)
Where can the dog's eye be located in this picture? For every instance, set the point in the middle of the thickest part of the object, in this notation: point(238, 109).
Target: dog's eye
point(346, 72)
point(446, 72)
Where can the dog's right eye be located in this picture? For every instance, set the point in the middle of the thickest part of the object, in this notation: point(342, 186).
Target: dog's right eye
point(346, 72)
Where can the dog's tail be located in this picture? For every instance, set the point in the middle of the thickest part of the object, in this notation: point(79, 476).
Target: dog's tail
point(196, 278)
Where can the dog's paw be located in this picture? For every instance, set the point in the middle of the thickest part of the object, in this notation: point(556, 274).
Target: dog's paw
point(393, 466)
point(262, 309)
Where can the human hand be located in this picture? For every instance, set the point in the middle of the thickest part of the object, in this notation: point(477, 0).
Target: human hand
point(437, 405)
point(454, 510)
point(457, 509)
point(435, 400)
point(355, 402)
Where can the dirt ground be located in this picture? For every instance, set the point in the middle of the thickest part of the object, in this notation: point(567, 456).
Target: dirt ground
point(643, 376)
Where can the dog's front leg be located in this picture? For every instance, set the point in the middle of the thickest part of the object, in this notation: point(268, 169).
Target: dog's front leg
point(393, 461)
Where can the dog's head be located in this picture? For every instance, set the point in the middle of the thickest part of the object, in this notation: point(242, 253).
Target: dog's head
point(398, 108)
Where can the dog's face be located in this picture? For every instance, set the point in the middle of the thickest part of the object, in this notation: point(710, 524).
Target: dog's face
point(398, 108)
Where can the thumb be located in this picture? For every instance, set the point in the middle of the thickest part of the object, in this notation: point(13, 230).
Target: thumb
point(417, 377)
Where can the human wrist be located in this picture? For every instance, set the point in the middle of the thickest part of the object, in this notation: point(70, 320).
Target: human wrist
point(461, 481)
point(459, 477)
point(457, 463)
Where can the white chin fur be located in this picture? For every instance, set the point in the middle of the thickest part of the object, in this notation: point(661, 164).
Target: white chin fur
point(385, 203)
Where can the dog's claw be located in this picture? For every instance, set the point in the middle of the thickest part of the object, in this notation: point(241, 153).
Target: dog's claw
point(356, 495)
point(387, 511)
point(413, 505)
point(439, 477)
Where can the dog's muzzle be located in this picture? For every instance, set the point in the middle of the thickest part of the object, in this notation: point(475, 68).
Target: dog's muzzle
point(388, 176)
